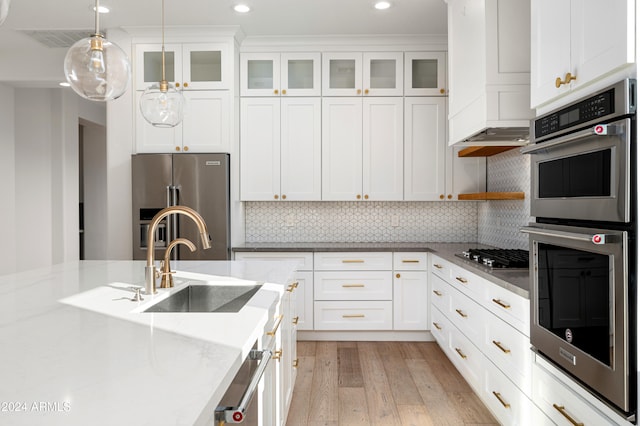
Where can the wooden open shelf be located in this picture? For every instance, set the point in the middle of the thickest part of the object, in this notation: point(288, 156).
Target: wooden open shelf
point(484, 151)
point(492, 196)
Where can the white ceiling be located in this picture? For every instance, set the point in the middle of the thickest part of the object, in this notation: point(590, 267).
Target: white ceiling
point(268, 17)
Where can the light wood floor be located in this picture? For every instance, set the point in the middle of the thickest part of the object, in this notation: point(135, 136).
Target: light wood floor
point(381, 383)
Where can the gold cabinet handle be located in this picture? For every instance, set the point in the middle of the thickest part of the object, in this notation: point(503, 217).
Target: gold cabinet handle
point(185, 84)
point(462, 280)
point(462, 314)
point(178, 149)
point(502, 401)
point(353, 316)
point(277, 355)
point(352, 285)
point(366, 91)
point(275, 197)
point(566, 415)
point(397, 275)
point(568, 78)
point(275, 327)
point(449, 197)
point(292, 287)
point(358, 197)
point(284, 91)
point(410, 261)
point(295, 320)
point(185, 148)
point(359, 91)
point(463, 356)
point(352, 261)
point(442, 196)
point(437, 266)
point(501, 303)
point(442, 91)
point(177, 84)
point(275, 92)
point(436, 325)
point(295, 363)
point(502, 348)
point(284, 197)
point(437, 293)
point(366, 196)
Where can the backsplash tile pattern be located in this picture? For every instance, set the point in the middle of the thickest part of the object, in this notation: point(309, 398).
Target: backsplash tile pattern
point(499, 221)
point(361, 221)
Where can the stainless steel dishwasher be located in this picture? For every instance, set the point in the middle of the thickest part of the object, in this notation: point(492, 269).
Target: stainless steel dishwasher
point(240, 403)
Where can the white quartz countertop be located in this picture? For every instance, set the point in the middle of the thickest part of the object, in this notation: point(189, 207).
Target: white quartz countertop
point(76, 351)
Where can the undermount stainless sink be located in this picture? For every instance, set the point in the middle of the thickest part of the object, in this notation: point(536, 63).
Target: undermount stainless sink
point(207, 298)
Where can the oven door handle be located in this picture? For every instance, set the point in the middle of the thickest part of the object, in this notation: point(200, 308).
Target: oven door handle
point(236, 414)
point(589, 238)
point(574, 137)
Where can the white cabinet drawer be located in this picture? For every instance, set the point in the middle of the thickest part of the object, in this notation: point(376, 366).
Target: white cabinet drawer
point(510, 350)
point(507, 305)
point(304, 259)
point(467, 282)
point(468, 359)
point(409, 261)
point(560, 403)
point(353, 315)
point(356, 285)
point(353, 261)
point(468, 316)
point(440, 327)
point(440, 267)
point(440, 293)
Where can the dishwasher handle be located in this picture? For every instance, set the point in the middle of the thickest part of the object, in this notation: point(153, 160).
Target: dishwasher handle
point(236, 414)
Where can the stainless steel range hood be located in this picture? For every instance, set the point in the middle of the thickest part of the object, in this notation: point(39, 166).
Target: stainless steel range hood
point(503, 136)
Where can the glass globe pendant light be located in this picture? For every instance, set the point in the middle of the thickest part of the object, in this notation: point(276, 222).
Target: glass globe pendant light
point(161, 104)
point(97, 69)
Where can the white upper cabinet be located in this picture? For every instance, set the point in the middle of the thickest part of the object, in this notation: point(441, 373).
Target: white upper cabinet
point(576, 42)
point(280, 74)
point(362, 74)
point(425, 74)
point(190, 66)
point(489, 71)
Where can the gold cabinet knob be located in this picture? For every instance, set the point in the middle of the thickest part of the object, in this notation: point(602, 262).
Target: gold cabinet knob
point(275, 91)
point(397, 275)
point(359, 91)
point(185, 84)
point(366, 91)
point(177, 84)
point(275, 197)
point(178, 148)
point(449, 197)
point(358, 196)
point(185, 149)
point(295, 363)
point(284, 197)
point(366, 197)
point(284, 91)
point(442, 91)
point(567, 79)
point(442, 196)
point(277, 355)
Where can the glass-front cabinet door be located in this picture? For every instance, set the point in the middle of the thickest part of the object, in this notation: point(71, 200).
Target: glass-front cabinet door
point(342, 74)
point(275, 74)
point(193, 66)
point(382, 74)
point(362, 74)
point(425, 74)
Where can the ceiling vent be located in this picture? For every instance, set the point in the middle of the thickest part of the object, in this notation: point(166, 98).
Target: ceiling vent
point(57, 38)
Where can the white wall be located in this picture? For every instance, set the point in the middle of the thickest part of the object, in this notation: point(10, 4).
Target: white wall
point(8, 256)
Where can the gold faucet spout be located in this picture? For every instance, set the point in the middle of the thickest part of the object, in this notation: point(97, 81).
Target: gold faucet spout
point(167, 274)
point(150, 269)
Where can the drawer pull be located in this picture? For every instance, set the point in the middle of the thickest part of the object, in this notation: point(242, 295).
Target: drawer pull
point(462, 280)
point(275, 327)
point(566, 415)
point(437, 326)
point(353, 316)
point(352, 285)
point(295, 320)
point(410, 261)
point(295, 363)
point(463, 356)
point(502, 401)
point(292, 287)
point(502, 348)
point(437, 293)
point(277, 355)
point(462, 314)
point(501, 303)
point(437, 266)
point(352, 261)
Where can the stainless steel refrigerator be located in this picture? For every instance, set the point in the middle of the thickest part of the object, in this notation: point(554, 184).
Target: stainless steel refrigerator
point(199, 181)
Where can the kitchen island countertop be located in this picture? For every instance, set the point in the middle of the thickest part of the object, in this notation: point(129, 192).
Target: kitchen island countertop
point(67, 365)
point(515, 280)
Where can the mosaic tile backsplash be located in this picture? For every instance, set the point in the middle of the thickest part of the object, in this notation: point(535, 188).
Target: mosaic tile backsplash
point(492, 222)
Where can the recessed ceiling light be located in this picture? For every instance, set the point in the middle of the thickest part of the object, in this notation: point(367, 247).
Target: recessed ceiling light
point(382, 5)
point(64, 84)
point(241, 8)
point(101, 9)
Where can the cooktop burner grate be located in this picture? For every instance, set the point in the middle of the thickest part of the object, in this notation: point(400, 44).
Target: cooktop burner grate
point(499, 258)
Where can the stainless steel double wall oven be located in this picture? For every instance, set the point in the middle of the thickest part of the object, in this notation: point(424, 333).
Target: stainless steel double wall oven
point(583, 243)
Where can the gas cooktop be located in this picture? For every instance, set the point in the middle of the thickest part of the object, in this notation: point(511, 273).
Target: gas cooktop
point(498, 258)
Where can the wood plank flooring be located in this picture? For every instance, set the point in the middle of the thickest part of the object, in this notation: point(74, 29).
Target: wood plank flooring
point(381, 383)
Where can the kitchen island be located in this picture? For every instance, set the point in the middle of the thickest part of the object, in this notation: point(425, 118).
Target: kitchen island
point(68, 360)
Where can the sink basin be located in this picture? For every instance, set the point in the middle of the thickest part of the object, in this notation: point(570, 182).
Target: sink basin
point(207, 298)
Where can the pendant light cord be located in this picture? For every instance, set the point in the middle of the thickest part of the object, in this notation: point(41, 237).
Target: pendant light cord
point(163, 74)
point(97, 18)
